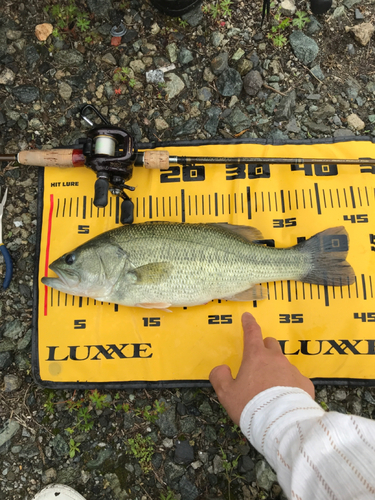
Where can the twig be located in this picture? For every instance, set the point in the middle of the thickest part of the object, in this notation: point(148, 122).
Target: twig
point(273, 90)
point(309, 70)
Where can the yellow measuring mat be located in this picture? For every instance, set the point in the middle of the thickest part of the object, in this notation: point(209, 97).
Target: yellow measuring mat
point(327, 332)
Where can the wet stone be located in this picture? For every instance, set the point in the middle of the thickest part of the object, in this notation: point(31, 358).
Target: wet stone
point(68, 58)
point(210, 433)
point(29, 450)
point(358, 15)
point(238, 121)
point(173, 472)
point(102, 456)
point(185, 56)
point(304, 48)
point(26, 93)
point(229, 83)
point(245, 464)
point(253, 82)
point(194, 17)
point(187, 128)
point(60, 446)
point(265, 475)
point(187, 424)
point(3, 41)
point(187, 489)
point(100, 8)
point(167, 422)
point(219, 63)
point(49, 476)
point(5, 360)
point(9, 430)
point(216, 38)
point(184, 453)
point(31, 55)
point(204, 94)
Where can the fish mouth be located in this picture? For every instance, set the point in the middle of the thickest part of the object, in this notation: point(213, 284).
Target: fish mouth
point(65, 281)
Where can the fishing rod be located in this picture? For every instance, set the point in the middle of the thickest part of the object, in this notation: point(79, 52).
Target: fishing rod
point(111, 152)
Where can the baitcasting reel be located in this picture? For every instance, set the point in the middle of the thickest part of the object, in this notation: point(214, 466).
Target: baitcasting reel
point(111, 152)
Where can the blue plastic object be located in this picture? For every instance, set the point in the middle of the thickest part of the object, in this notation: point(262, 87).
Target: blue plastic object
point(8, 265)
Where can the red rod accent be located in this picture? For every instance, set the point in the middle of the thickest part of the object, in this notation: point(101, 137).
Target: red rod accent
point(47, 253)
point(78, 158)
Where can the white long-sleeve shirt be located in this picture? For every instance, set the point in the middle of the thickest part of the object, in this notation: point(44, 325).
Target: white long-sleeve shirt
point(316, 454)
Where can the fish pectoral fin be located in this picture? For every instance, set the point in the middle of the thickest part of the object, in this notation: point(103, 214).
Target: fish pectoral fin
point(247, 232)
point(156, 305)
point(256, 292)
point(152, 274)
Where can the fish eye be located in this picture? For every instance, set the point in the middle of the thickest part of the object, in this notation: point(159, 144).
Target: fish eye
point(70, 258)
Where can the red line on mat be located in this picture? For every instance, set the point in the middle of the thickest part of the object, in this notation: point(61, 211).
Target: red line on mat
point(47, 252)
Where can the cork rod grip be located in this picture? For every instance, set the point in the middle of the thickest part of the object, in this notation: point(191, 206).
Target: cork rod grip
point(46, 158)
point(156, 159)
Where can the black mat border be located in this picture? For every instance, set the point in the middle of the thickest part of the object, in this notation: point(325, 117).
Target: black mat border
point(166, 384)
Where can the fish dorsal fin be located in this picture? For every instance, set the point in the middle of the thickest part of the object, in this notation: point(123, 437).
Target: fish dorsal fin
point(256, 292)
point(247, 232)
point(152, 274)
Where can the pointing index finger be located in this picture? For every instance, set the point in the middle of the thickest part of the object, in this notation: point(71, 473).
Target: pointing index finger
point(253, 340)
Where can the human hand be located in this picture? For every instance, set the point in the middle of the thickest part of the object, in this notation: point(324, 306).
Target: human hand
point(263, 366)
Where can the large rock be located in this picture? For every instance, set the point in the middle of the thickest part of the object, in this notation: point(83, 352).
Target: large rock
point(304, 47)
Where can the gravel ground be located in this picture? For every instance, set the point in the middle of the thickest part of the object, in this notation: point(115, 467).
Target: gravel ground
point(217, 77)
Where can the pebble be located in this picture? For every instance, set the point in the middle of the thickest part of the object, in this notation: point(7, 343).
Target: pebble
point(211, 127)
point(252, 82)
point(109, 59)
point(172, 52)
point(219, 63)
point(65, 91)
point(204, 94)
point(185, 56)
point(229, 83)
point(67, 58)
point(184, 453)
point(354, 122)
point(26, 93)
point(265, 475)
point(174, 85)
point(10, 429)
point(288, 7)
point(161, 124)
point(7, 77)
point(12, 383)
point(187, 489)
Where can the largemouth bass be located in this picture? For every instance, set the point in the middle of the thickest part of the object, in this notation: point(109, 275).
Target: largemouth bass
point(159, 264)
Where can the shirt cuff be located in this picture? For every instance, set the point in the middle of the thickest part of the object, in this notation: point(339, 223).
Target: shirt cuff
point(272, 412)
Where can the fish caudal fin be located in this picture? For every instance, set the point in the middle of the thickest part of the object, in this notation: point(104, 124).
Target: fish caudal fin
point(328, 251)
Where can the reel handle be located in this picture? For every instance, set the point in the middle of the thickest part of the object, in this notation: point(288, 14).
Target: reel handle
point(101, 192)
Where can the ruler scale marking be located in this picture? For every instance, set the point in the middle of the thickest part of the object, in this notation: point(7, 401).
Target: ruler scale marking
point(282, 201)
point(317, 197)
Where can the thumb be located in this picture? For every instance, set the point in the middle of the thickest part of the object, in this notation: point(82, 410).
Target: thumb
point(221, 379)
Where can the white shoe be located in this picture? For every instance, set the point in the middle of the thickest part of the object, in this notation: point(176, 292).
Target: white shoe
point(58, 492)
